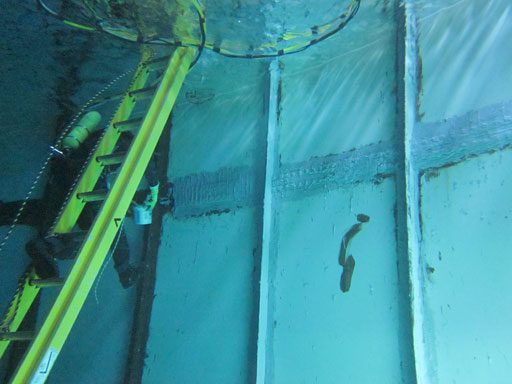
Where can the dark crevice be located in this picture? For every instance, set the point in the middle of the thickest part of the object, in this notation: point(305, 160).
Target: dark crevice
point(146, 287)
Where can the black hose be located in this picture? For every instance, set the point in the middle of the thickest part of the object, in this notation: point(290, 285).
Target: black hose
point(202, 45)
point(202, 27)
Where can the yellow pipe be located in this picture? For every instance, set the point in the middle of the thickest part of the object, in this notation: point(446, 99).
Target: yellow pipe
point(77, 135)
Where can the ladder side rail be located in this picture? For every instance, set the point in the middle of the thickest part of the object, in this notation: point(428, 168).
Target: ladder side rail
point(45, 348)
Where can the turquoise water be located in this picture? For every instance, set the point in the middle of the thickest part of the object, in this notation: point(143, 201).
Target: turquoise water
point(271, 164)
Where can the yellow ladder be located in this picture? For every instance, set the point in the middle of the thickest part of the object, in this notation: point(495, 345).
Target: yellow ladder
point(48, 341)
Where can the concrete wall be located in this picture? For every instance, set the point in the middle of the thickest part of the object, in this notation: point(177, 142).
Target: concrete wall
point(27, 102)
point(332, 113)
point(338, 116)
point(204, 320)
point(466, 53)
point(466, 220)
point(336, 127)
point(465, 207)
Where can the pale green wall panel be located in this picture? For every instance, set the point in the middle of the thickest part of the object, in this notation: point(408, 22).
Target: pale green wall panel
point(322, 335)
point(467, 221)
point(203, 328)
point(204, 321)
point(466, 51)
point(341, 94)
point(218, 120)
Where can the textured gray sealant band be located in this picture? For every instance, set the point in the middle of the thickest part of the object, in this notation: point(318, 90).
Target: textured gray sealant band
point(203, 193)
point(453, 140)
point(319, 174)
point(434, 145)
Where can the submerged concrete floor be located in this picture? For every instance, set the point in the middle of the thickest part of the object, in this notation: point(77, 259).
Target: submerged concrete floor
point(47, 71)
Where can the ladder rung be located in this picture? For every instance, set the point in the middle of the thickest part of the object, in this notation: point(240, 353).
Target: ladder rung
point(17, 336)
point(112, 159)
point(87, 197)
point(158, 63)
point(143, 93)
point(128, 125)
point(51, 282)
point(106, 99)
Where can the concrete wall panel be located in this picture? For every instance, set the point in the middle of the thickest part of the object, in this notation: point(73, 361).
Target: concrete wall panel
point(466, 51)
point(218, 116)
point(204, 320)
point(467, 213)
point(340, 94)
point(202, 328)
point(322, 335)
